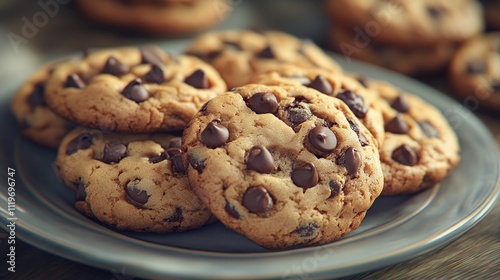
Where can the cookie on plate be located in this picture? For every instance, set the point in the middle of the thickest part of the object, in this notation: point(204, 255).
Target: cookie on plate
point(475, 72)
point(360, 100)
point(158, 17)
point(283, 165)
point(133, 182)
point(409, 23)
point(132, 90)
point(406, 60)
point(420, 148)
point(240, 54)
point(36, 121)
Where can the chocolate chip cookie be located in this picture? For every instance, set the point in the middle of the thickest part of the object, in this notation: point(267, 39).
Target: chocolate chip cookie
point(360, 100)
point(158, 17)
point(475, 72)
point(132, 90)
point(406, 60)
point(283, 165)
point(133, 182)
point(409, 23)
point(240, 54)
point(36, 121)
point(420, 148)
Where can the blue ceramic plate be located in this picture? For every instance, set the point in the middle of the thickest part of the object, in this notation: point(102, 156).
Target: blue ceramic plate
point(394, 230)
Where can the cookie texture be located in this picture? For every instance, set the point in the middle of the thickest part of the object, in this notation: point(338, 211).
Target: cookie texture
point(409, 23)
point(475, 72)
point(406, 60)
point(283, 165)
point(420, 148)
point(172, 17)
point(37, 121)
point(360, 100)
point(134, 182)
point(132, 90)
point(240, 54)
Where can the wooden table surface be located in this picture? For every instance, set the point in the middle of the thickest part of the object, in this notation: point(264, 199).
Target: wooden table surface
point(475, 255)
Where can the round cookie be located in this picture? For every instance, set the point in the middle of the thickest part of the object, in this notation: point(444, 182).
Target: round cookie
point(406, 60)
point(133, 182)
point(283, 165)
point(132, 90)
point(168, 17)
point(420, 148)
point(240, 54)
point(36, 121)
point(475, 72)
point(360, 100)
point(409, 23)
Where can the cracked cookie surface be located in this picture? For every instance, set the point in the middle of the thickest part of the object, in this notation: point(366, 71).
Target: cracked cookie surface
point(134, 182)
point(420, 148)
point(37, 121)
point(283, 165)
point(240, 54)
point(132, 90)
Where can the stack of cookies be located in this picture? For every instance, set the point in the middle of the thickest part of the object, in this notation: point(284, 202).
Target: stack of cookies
point(294, 154)
point(411, 37)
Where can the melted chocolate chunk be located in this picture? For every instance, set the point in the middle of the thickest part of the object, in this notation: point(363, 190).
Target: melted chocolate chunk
point(155, 75)
point(231, 210)
point(355, 102)
point(214, 135)
point(81, 142)
point(322, 139)
point(158, 158)
point(335, 188)
point(321, 84)
point(260, 160)
point(305, 176)
point(351, 160)
point(80, 194)
point(135, 91)
point(267, 52)
point(262, 103)
point(74, 81)
point(114, 152)
point(134, 195)
point(405, 155)
point(196, 163)
point(361, 137)
point(397, 125)
point(307, 230)
point(257, 200)
point(198, 80)
point(400, 104)
point(298, 113)
point(177, 163)
point(176, 217)
point(115, 67)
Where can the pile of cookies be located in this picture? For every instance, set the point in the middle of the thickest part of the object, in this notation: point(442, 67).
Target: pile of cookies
point(295, 153)
point(411, 37)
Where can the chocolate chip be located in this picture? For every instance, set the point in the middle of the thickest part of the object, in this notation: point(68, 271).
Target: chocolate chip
point(176, 217)
point(476, 67)
point(74, 81)
point(114, 152)
point(405, 155)
point(80, 194)
point(355, 102)
point(231, 210)
point(115, 67)
point(175, 142)
point(155, 75)
point(81, 142)
point(400, 104)
point(135, 91)
point(306, 230)
point(173, 151)
point(134, 195)
point(321, 84)
point(298, 113)
point(334, 189)
point(198, 164)
point(158, 158)
point(262, 103)
point(257, 200)
point(361, 137)
point(351, 160)
point(428, 129)
point(178, 164)
point(214, 135)
point(267, 52)
point(305, 176)
point(36, 98)
point(322, 139)
point(198, 79)
point(151, 55)
point(260, 160)
point(397, 125)
point(436, 12)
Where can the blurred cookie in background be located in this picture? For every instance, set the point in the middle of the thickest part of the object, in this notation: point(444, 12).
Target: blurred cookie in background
point(475, 72)
point(157, 17)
